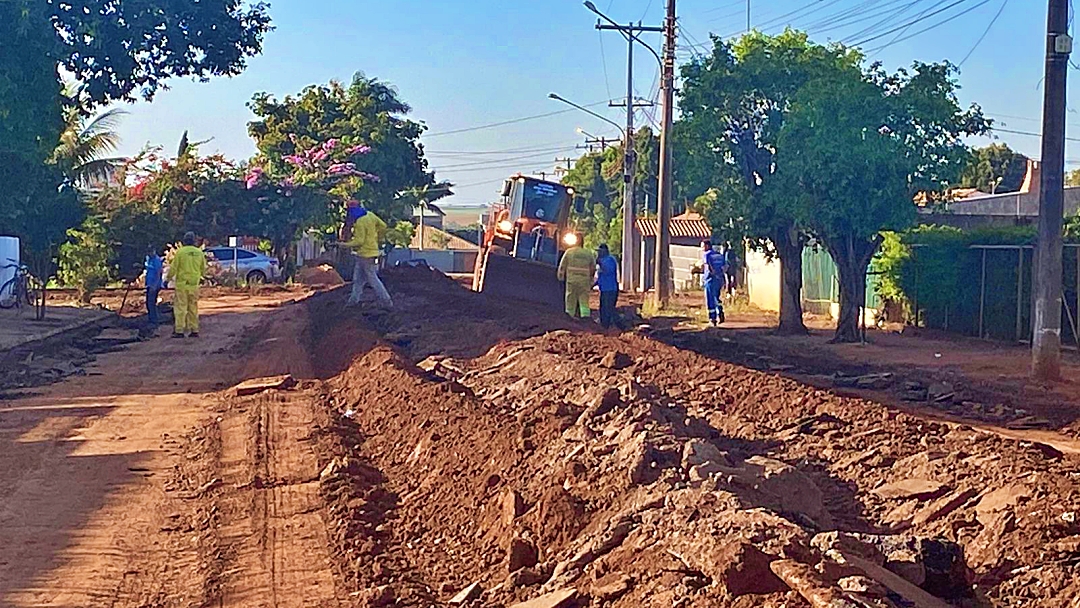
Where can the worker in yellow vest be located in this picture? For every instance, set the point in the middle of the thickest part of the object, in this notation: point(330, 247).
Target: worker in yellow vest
point(577, 267)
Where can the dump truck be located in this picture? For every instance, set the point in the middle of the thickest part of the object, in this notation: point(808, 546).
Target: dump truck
point(527, 232)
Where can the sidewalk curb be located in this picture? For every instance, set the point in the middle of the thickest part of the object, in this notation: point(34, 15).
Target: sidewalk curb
point(58, 331)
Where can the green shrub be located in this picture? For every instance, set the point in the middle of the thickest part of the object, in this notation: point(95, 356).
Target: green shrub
point(84, 261)
point(938, 269)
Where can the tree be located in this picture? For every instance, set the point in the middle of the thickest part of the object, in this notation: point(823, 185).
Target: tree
point(734, 104)
point(38, 211)
point(1072, 178)
point(367, 115)
point(84, 146)
point(995, 169)
point(113, 50)
point(30, 90)
point(856, 149)
point(120, 50)
point(85, 259)
point(597, 177)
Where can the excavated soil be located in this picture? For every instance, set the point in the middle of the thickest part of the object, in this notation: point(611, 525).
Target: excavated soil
point(484, 453)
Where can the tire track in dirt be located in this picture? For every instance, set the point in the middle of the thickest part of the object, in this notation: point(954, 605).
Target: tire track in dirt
point(274, 545)
point(270, 523)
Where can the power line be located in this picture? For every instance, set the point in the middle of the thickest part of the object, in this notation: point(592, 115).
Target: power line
point(523, 157)
point(1024, 118)
point(603, 61)
point(985, 32)
point(890, 17)
point(919, 19)
point(646, 13)
point(905, 30)
point(1028, 133)
point(465, 154)
point(511, 121)
point(931, 27)
point(716, 9)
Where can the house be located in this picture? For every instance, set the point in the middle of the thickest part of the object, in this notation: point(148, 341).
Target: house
point(976, 210)
point(437, 239)
point(432, 215)
point(687, 232)
point(463, 216)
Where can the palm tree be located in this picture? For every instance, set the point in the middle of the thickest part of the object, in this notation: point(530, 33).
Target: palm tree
point(84, 146)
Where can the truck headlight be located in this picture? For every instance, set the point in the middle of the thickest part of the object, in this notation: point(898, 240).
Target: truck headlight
point(570, 239)
point(506, 226)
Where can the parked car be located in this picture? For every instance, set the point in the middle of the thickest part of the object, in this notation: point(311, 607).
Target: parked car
point(248, 265)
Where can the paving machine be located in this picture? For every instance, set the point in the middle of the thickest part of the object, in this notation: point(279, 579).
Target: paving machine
point(527, 232)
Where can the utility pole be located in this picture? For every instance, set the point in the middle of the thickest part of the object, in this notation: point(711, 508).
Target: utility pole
point(561, 170)
point(748, 16)
point(597, 144)
point(662, 278)
point(629, 31)
point(1046, 342)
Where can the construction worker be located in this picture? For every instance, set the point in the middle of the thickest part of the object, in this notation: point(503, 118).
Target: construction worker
point(607, 281)
point(153, 266)
point(713, 269)
point(186, 272)
point(576, 268)
point(368, 233)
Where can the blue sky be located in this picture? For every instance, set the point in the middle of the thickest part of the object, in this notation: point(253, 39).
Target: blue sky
point(468, 63)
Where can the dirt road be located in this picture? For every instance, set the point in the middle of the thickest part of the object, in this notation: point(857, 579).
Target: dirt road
point(96, 502)
point(464, 450)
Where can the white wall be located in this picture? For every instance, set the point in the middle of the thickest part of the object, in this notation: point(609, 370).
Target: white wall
point(763, 281)
point(683, 258)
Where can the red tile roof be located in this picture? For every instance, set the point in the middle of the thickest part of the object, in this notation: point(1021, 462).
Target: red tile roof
point(680, 228)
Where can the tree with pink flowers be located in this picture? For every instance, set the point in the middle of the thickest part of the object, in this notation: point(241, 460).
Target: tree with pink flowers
point(351, 141)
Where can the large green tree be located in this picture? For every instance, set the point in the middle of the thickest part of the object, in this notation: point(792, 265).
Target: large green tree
point(113, 51)
point(364, 129)
point(853, 153)
point(598, 178)
point(734, 103)
point(120, 50)
point(995, 169)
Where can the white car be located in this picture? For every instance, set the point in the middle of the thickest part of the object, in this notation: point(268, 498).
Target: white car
point(249, 265)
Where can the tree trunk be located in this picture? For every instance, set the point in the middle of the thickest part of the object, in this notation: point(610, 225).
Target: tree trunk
point(789, 246)
point(852, 258)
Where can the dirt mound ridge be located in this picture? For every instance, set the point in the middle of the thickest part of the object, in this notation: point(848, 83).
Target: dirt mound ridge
point(626, 472)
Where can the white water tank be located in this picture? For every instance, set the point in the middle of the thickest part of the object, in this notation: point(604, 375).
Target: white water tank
point(9, 254)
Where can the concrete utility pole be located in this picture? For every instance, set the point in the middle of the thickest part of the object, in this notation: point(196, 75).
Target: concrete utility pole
point(662, 279)
point(630, 32)
point(1046, 342)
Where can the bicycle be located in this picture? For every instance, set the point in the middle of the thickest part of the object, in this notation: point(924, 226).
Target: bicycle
point(20, 288)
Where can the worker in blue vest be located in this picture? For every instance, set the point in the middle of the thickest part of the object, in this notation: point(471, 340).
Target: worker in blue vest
point(607, 281)
point(713, 268)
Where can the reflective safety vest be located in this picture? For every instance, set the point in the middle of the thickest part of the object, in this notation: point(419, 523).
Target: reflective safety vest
point(577, 266)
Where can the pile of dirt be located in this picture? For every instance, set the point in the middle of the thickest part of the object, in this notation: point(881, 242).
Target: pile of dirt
point(520, 461)
point(323, 275)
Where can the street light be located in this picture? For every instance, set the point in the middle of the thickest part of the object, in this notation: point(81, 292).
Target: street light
point(622, 28)
point(627, 254)
point(586, 133)
point(558, 97)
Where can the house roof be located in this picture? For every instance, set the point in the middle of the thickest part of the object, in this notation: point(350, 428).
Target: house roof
point(685, 226)
point(439, 239)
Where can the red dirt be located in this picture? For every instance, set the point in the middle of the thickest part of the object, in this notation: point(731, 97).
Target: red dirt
point(606, 499)
point(460, 440)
